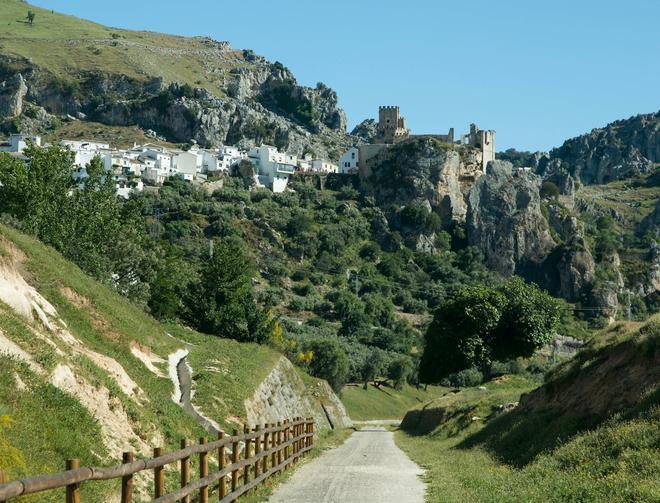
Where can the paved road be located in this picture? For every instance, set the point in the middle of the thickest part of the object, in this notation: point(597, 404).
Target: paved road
point(367, 468)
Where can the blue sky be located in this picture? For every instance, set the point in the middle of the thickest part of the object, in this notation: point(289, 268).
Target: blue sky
point(536, 72)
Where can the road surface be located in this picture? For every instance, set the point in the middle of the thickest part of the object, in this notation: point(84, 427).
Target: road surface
point(367, 468)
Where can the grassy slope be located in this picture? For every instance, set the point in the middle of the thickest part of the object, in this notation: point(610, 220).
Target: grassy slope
point(65, 45)
point(117, 136)
point(535, 454)
point(41, 426)
point(385, 403)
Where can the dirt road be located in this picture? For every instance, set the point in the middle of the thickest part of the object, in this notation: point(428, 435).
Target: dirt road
point(368, 468)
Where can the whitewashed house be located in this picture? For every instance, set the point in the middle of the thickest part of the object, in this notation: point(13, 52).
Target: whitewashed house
point(229, 156)
point(274, 168)
point(210, 161)
point(321, 166)
point(305, 164)
point(186, 165)
point(348, 163)
point(19, 142)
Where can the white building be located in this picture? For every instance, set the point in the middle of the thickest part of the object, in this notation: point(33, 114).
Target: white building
point(186, 165)
point(84, 151)
point(321, 166)
point(19, 142)
point(305, 164)
point(126, 185)
point(348, 163)
point(229, 156)
point(273, 168)
point(210, 161)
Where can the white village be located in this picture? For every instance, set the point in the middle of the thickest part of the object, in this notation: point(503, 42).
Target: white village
point(149, 165)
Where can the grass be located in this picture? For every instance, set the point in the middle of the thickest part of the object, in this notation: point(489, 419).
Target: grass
point(631, 198)
point(385, 402)
point(225, 373)
point(42, 426)
point(121, 137)
point(66, 45)
point(537, 453)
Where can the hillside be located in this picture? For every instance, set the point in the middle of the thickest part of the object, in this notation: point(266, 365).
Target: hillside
point(61, 69)
point(88, 375)
point(589, 433)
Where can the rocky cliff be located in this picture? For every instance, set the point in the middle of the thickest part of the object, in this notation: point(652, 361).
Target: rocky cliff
point(184, 89)
point(622, 149)
point(424, 170)
point(505, 222)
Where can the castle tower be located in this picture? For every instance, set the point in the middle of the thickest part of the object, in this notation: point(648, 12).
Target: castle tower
point(391, 126)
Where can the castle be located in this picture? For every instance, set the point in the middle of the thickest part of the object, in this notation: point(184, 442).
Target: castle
point(391, 129)
point(391, 126)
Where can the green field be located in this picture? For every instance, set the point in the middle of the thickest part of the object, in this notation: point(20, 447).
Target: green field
point(536, 454)
point(67, 45)
point(385, 402)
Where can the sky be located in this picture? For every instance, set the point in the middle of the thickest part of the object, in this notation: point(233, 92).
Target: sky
point(537, 72)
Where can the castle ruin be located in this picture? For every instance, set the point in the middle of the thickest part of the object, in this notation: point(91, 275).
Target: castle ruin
point(482, 140)
point(392, 129)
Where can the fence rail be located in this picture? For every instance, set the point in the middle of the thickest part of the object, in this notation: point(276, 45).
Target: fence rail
point(267, 451)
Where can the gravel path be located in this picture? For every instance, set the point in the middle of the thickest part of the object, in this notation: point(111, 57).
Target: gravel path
point(367, 468)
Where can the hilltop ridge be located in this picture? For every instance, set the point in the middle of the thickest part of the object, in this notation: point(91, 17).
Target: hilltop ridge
point(62, 69)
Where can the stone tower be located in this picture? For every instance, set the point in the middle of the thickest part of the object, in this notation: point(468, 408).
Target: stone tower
point(391, 126)
point(483, 140)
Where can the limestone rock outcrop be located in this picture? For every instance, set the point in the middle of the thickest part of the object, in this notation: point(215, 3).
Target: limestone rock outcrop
point(12, 92)
point(622, 149)
point(258, 102)
point(433, 174)
point(505, 222)
point(366, 130)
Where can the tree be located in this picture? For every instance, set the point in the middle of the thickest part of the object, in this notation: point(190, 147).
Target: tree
point(222, 302)
point(399, 370)
point(329, 361)
point(36, 192)
point(92, 222)
point(373, 366)
point(480, 324)
point(30, 17)
point(549, 190)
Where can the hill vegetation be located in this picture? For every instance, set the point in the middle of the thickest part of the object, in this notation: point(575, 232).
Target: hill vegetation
point(86, 374)
point(589, 433)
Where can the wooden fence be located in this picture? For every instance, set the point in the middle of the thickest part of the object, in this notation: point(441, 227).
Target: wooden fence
point(267, 451)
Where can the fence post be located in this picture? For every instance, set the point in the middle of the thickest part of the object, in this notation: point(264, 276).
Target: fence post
point(264, 461)
point(248, 448)
point(3, 480)
point(297, 443)
point(203, 472)
point(311, 431)
point(257, 451)
point(279, 443)
point(222, 485)
point(159, 475)
point(234, 460)
point(185, 470)
point(273, 444)
point(286, 440)
point(72, 490)
point(127, 480)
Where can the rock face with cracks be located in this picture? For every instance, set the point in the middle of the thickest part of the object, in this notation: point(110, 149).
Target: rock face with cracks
point(283, 395)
